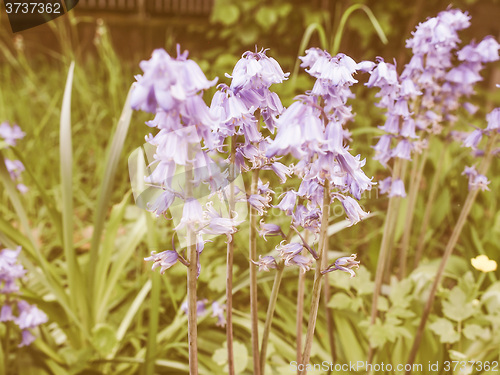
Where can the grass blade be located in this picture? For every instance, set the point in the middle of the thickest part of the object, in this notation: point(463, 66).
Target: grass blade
point(77, 299)
point(105, 192)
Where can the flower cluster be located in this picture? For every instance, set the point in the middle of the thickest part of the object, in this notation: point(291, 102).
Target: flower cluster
point(27, 317)
point(10, 135)
point(239, 108)
point(429, 89)
point(185, 147)
point(313, 130)
point(476, 179)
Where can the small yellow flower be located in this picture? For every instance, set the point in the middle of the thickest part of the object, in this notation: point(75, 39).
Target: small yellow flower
point(483, 263)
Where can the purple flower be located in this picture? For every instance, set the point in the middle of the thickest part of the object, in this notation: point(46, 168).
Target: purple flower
point(167, 82)
point(266, 263)
point(493, 119)
point(218, 312)
point(287, 204)
point(281, 170)
point(397, 189)
point(27, 338)
point(353, 210)
point(10, 270)
point(259, 202)
point(476, 180)
point(345, 264)
point(256, 70)
point(289, 250)
point(473, 139)
point(11, 134)
point(30, 316)
point(218, 224)
point(6, 313)
point(200, 307)
point(192, 215)
point(304, 263)
point(164, 259)
point(270, 230)
point(485, 51)
point(161, 205)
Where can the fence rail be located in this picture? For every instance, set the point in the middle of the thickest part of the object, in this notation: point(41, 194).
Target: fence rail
point(150, 8)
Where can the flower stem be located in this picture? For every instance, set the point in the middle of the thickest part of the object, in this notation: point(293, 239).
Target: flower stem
point(192, 257)
point(316, 292)
point(300, 315)
point(428, 210)
point(415, 179)
point(390, 219)
point(300, 309)
point(229, 269)
point(270, 313)
point(326, 297)
point(469, 201)
point(253, 277)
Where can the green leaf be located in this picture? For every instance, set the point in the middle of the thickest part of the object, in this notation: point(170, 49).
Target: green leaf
point(240, 357)
point(340, 301)
point(382, 304)
point(378, 334)
point(105, 191)
point(104, 338)
point(456, 307)
point(474, 332)
point(225, 13)
point(362, 282)
point(217, 281)
point(444, 329)
point(399, 294)
point(266, 17)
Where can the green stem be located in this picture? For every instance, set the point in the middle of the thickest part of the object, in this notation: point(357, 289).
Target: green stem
point(154, 310)
point(253, 277)
point(316, 292)
point(428, 209)
point(469, 201)
point(6, 353)
point(300, 316)
point(192, 258)
point(270, 313)
point(300, 307)
point(392, 213)
point(415, 179)
point(340, 30)
point(328, 312)
point(229, 268)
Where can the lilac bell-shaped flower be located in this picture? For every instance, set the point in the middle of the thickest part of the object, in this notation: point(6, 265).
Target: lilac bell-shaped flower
point(266, 263)
point(345, 264)
point(164, 259)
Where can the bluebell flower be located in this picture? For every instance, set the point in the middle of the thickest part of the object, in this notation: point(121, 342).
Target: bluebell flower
point(10, 134)
point(287, 203)
point(164, 259)
point(303, 262)
point(255, 70)
point(201, 307)
point(288, 250)
point(352, 209)
point(30, 316)
point(266, 263)
point(166, 82)
point(345, 264)
point(268, 229)
point(476, 180)
point(218, 312)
